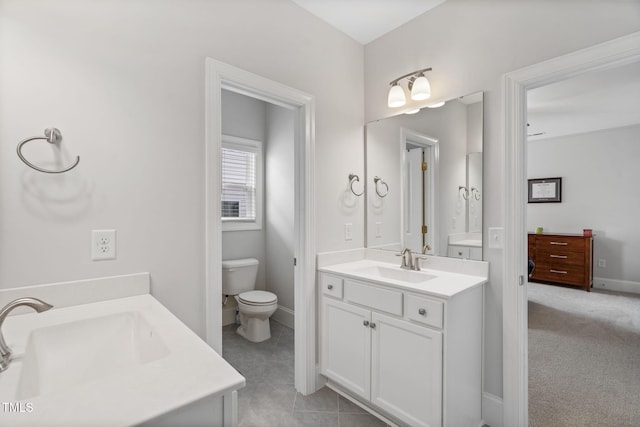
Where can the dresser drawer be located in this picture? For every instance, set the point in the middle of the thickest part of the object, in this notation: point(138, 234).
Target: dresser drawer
point(569, 274)
point(563, 243)
point(424, 310)
point(331, 285)
point(381, 299)
point(560, 256)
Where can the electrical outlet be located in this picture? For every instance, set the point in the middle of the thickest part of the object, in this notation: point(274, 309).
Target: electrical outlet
point(103, 244)
point(348, 233)
point(602, 263)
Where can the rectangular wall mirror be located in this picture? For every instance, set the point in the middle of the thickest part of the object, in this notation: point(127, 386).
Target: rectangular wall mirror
point(424, 180)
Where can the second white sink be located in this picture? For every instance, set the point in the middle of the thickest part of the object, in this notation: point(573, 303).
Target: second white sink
point(409, 276)
point(61, 356)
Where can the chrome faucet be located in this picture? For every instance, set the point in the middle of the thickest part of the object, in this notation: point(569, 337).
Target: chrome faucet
point(36, 304)
point(407, 259)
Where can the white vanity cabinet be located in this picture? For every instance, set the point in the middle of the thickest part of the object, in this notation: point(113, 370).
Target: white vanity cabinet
point(400, 352)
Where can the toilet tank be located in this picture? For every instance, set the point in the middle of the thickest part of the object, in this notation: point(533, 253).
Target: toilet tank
point(239, 275)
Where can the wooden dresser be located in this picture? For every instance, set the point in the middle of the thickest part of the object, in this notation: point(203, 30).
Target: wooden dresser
point(562, 258)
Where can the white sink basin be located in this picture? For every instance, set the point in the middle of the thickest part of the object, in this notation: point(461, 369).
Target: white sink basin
point(61, 356)
point(399, 274)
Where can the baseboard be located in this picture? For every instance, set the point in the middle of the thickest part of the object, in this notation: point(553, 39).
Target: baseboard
point(285, 316)
point(616, 285)
point(492, 410)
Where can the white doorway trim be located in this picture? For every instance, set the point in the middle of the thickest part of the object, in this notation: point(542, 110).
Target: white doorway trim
point(221, 76)
point(607, 55)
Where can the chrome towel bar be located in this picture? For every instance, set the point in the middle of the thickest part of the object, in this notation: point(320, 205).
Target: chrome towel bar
point(52, 136)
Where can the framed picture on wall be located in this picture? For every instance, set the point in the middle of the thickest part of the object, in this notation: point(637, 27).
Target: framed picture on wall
point(545, 190)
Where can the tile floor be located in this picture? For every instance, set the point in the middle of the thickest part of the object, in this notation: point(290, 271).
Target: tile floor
point(270, 399)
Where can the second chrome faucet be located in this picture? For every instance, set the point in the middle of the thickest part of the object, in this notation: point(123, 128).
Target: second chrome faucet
point(409, 261)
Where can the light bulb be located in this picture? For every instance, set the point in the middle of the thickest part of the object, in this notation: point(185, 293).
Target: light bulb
point(421, 89)
point(396, 97)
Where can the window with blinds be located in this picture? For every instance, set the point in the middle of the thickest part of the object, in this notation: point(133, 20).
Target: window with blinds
point(241, 183)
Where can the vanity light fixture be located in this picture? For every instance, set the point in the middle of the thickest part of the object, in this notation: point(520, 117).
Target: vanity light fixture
point(418, 86)
point(396, 96)
point(436, 104)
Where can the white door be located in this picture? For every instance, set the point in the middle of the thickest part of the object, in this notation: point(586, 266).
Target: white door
point(406, 375)
point(415, 200)
point(346, 346)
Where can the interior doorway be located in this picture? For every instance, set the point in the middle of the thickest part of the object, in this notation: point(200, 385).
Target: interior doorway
point(219, 77)
point(611, 54)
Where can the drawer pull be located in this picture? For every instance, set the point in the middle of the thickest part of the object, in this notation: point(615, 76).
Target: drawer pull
point(558, 256)
point(329, 287)
point(558, 271)
point(365, 323)
point(372, 325)
point(559, 243)
point(422, 312)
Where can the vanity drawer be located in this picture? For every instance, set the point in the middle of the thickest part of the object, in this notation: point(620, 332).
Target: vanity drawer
point(425, 310)
point(386, 300)
point(331, 285)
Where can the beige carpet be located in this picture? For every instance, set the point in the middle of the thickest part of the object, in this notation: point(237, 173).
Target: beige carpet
point(584, 357)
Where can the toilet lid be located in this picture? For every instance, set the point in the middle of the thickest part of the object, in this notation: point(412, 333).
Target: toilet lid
point(258, 297)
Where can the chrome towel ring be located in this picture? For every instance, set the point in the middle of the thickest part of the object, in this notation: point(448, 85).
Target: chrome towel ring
point(376, 180)
point(51, 135)
point(354, 178)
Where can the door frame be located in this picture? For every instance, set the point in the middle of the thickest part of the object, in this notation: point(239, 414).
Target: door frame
point(607, 55)
point(221, 76)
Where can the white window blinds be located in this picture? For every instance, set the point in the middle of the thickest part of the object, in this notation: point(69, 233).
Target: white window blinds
point(241, 181)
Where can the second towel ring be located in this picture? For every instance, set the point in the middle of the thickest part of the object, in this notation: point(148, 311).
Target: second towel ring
point(354, 178)
point(51, 135)
point(376, 180)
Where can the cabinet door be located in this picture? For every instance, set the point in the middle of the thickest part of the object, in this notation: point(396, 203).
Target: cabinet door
point(346, 346)
point(406, 370)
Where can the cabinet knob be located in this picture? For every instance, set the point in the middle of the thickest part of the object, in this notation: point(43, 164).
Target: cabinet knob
point(365, 323)
point(372, 325)
point(422, 312)
point(329, 287)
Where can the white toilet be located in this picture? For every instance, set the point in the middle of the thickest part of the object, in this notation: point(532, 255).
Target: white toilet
point(239, 279)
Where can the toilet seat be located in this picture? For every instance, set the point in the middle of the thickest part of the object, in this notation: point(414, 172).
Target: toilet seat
point(257, 298)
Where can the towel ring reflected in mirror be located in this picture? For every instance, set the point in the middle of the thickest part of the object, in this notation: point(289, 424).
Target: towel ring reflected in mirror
point(354, 178)
point(377, 180)
point(52, 136)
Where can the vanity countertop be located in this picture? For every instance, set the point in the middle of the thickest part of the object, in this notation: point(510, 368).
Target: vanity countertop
point(190, 371)
point(442, 280)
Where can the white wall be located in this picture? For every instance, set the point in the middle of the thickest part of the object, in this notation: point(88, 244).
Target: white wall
point(124, 81)
point(600, 179)
point(245, 117)
point(471, 44)
point(280, 196)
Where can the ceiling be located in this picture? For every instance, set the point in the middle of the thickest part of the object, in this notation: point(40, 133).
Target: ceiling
point(586, 103)
point(366, 20)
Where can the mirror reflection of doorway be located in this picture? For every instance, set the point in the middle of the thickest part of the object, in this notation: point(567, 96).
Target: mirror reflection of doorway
point(418, 199)
point(419, 195)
